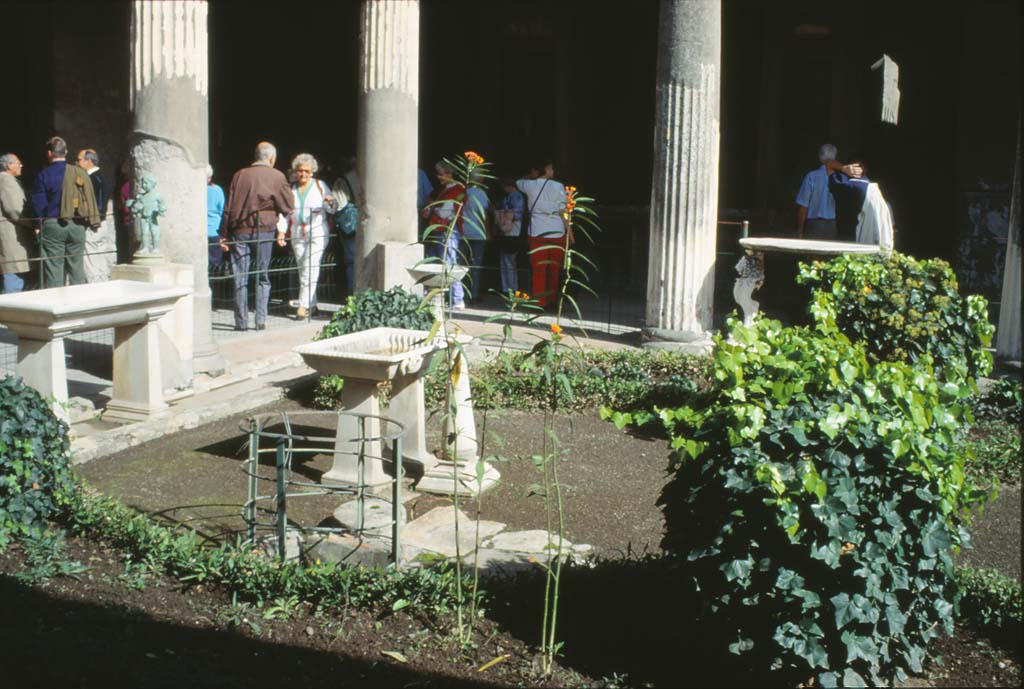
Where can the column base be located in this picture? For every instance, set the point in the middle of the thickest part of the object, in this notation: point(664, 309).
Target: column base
point(685, 341)
point(440, 480)
point(130, 412)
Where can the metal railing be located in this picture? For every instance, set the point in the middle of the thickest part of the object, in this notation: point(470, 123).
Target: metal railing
point(288, 446)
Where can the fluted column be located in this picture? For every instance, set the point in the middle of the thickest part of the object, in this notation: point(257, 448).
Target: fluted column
point(387, 143)
point(1008, 331)
point(684, 197)
point(170, 141)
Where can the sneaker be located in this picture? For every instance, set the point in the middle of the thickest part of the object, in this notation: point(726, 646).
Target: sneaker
point(301, 312)
point(458, 307)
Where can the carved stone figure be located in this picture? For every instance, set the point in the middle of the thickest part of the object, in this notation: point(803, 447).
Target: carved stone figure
point(146, 207)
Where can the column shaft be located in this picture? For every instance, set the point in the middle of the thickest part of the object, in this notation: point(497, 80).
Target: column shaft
point(1008, 332)
point(684, 195)
point(387, 143)
point(170, 141)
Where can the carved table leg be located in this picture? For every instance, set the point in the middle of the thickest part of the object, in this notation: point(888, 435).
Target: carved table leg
point(750, 276)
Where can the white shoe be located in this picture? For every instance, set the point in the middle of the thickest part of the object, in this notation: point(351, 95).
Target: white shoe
point(458, 307)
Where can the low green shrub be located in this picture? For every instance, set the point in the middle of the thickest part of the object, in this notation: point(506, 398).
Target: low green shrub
point(622, 379)
point(251, 576)
point(990, 599)
point(371, 308)
point(994, 453)
point(1000, 402)
point(819, 496)
point(901, 309)
point(36, 481)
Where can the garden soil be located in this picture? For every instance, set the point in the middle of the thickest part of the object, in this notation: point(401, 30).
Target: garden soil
point(617, 619)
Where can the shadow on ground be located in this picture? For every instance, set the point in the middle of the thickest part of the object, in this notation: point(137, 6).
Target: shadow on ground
point(62, 643)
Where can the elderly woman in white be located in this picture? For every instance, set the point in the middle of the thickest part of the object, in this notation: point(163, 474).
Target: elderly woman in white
point(307, 227)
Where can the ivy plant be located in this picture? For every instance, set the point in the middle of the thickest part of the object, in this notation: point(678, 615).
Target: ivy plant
point(36, 481)
point(820, 495)
point(902, 308)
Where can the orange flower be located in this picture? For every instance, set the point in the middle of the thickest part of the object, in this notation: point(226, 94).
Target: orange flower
point(556, 329)
point(473, 157)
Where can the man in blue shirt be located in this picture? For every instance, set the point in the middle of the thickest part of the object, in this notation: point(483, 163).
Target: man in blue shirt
point(214, 213)
point(816, 208)
point(61, 238)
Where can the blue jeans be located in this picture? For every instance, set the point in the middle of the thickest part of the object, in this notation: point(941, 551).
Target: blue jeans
point(474, 257)
point(246, 246)
point(348, 249)
point(14, 282)
point(216, 254)
point(450, 255)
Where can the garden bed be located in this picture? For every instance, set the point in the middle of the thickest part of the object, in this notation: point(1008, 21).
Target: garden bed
point(621, 621)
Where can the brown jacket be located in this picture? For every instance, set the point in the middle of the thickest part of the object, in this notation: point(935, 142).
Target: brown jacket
point(77, 198)
point(258, 193)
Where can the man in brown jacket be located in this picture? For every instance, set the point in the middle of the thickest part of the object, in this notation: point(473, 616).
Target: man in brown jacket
point(257, 195)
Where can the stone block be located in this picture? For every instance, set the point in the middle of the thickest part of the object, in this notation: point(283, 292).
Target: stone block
point(435, 532)
point(349, 550)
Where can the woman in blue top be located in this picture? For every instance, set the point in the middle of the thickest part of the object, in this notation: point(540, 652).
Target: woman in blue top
point(509, 222)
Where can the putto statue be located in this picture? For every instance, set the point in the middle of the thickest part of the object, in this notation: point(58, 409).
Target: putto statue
point(146, 207)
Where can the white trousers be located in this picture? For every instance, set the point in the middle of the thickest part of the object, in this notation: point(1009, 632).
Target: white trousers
point(308, 252)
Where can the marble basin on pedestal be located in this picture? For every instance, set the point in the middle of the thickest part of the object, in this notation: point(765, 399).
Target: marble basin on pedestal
point(378, 354)
point(364, 360)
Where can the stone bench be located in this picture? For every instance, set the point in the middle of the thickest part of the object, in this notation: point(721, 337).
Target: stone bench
point(42, 319)
point(750, 269)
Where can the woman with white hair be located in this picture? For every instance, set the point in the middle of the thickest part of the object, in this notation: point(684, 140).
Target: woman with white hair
point(307, 227)
point(214, 215)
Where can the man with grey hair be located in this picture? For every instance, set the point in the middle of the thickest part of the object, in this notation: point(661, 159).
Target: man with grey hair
point(16, 236)
point(257, 196)
point(101, 244)
point(816, 209)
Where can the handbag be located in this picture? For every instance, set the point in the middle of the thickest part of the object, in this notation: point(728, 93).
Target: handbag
point(346, 220)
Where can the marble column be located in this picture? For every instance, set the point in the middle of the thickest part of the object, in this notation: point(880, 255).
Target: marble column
point(387, 141)
point(1008, 331)
point(170, 141)
point(684, 195)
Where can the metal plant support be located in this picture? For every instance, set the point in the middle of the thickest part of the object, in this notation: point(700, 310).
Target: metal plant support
point(282, 445)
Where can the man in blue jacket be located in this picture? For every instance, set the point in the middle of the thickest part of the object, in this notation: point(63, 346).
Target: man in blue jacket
point(62, 239)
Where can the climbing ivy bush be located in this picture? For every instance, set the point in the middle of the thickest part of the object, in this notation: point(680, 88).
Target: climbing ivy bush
point(36, 480)
point(902, 308)
point(819, 495)
point(371, 308)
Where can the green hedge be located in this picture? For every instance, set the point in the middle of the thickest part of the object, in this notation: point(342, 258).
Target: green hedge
point(627, 379)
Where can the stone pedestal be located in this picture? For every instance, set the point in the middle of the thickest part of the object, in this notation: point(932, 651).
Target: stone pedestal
point(138, 385)
point(41, 365)
point(358, 397)
point(170, 141)
point(387, 143)
point(462, 457)
point(176, 330)
point(684, 197)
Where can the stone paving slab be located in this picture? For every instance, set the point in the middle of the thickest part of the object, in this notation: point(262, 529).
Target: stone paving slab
point(435, 532)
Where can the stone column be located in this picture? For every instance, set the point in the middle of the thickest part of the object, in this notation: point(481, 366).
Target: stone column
point(170, 141)
point(684, 197)
point(387, 144)
point(1008, 332)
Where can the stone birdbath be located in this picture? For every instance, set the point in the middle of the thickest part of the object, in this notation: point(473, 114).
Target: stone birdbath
point(462, 456)
point(366, 359)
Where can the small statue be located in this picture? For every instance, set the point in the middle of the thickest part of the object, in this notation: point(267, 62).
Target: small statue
point(146, 208)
